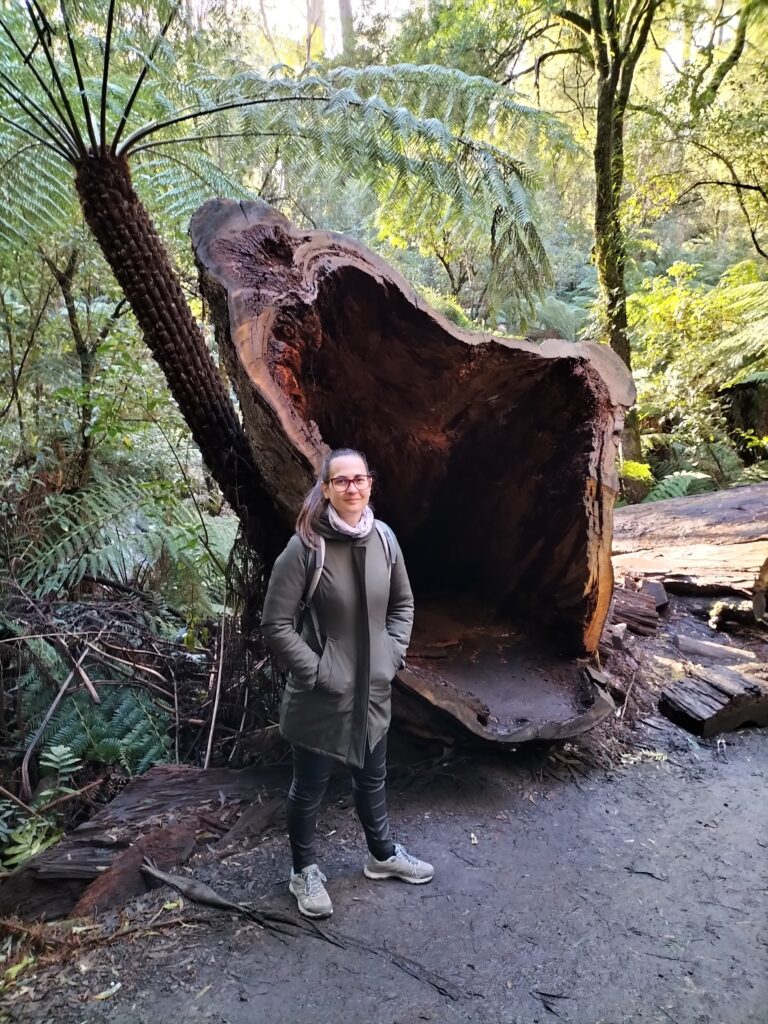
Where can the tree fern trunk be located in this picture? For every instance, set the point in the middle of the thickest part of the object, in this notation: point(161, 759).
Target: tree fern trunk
point(130, 242)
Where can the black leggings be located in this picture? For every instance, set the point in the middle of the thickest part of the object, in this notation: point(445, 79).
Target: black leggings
point(311, 772)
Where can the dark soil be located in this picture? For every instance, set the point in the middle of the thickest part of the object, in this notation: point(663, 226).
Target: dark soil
point(595, 885)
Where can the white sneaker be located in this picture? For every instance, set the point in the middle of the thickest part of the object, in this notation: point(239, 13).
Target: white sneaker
point(402, 865)
point(307, 886)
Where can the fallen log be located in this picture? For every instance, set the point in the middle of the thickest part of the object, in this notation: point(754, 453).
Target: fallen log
point(694, 648)
point(494, 458)
point(124, 879)
point(711, 543)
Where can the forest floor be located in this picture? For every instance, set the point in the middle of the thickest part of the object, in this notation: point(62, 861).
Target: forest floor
point(618, 880)
point(634, 892)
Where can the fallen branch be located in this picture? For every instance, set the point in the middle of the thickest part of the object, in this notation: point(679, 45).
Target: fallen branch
point(71, 796)
point(281, 923)
point(25, 807)
point(270, 920)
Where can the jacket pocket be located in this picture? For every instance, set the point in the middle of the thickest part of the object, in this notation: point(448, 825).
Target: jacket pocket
point(394, 651)
point(325, 667)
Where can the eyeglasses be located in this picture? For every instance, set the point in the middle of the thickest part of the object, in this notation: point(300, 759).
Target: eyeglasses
point(343, 483)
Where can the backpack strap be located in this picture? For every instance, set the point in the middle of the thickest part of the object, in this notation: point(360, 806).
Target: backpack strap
point(389, 542)
point(314, 560)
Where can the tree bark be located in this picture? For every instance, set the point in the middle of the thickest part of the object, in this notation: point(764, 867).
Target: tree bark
point(130, 242)
point(614, 59)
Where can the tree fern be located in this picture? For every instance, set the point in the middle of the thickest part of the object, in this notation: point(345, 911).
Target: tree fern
point(744, 353)
point(118, 529)
point(428, 132)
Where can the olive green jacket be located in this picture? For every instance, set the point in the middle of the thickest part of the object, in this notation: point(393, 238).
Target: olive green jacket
point(338, 694)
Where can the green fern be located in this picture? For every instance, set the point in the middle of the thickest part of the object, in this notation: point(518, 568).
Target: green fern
point(756, 473)
point(129, 729)
point(31, 837)
point(122, 530)
point(680, 485)
point(564, 318)
point(61, 760)
point(444, 143)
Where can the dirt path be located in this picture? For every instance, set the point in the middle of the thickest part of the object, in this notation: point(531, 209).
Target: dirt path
point(623, 896)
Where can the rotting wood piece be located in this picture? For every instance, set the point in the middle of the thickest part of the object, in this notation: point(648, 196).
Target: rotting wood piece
point(759, 592)
point(713, 700)
point(494, 458)
point(636, 609)
point(124, 878)
point(50, 884)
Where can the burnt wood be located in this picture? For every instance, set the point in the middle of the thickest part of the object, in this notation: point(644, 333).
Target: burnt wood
point(713, 700)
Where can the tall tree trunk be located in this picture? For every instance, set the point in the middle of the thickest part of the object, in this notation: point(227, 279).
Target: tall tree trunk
point(15, 392)
point(347, 30)
point(86, 417)
point(85, 354)
point(130, 242)
point(315, 30)
point(609, 240)
point(610, 253)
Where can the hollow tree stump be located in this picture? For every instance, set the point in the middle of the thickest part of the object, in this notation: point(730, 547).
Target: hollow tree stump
point(494, 459)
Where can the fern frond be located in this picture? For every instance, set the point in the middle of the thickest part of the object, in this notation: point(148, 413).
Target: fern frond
point(442, 143)
point(679, 485)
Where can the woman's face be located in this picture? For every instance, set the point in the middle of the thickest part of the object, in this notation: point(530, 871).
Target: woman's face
point(348, 503)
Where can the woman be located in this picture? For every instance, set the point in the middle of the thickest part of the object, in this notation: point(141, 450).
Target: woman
point(341, 654)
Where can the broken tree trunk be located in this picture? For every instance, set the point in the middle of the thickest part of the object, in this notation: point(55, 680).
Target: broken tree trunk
point(494, 459)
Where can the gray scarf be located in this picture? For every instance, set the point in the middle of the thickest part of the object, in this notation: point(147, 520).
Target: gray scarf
point(363, 528)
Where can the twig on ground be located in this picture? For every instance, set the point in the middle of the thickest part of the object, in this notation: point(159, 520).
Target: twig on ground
point(623, 708)
point(641, 871)
point(270, 920)
point(25, 807)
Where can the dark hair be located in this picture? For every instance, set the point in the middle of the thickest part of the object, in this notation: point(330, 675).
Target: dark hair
point(315, 501)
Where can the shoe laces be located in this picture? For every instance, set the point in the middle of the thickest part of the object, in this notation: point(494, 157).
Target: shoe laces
point(400, 851)
point(313, 880)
